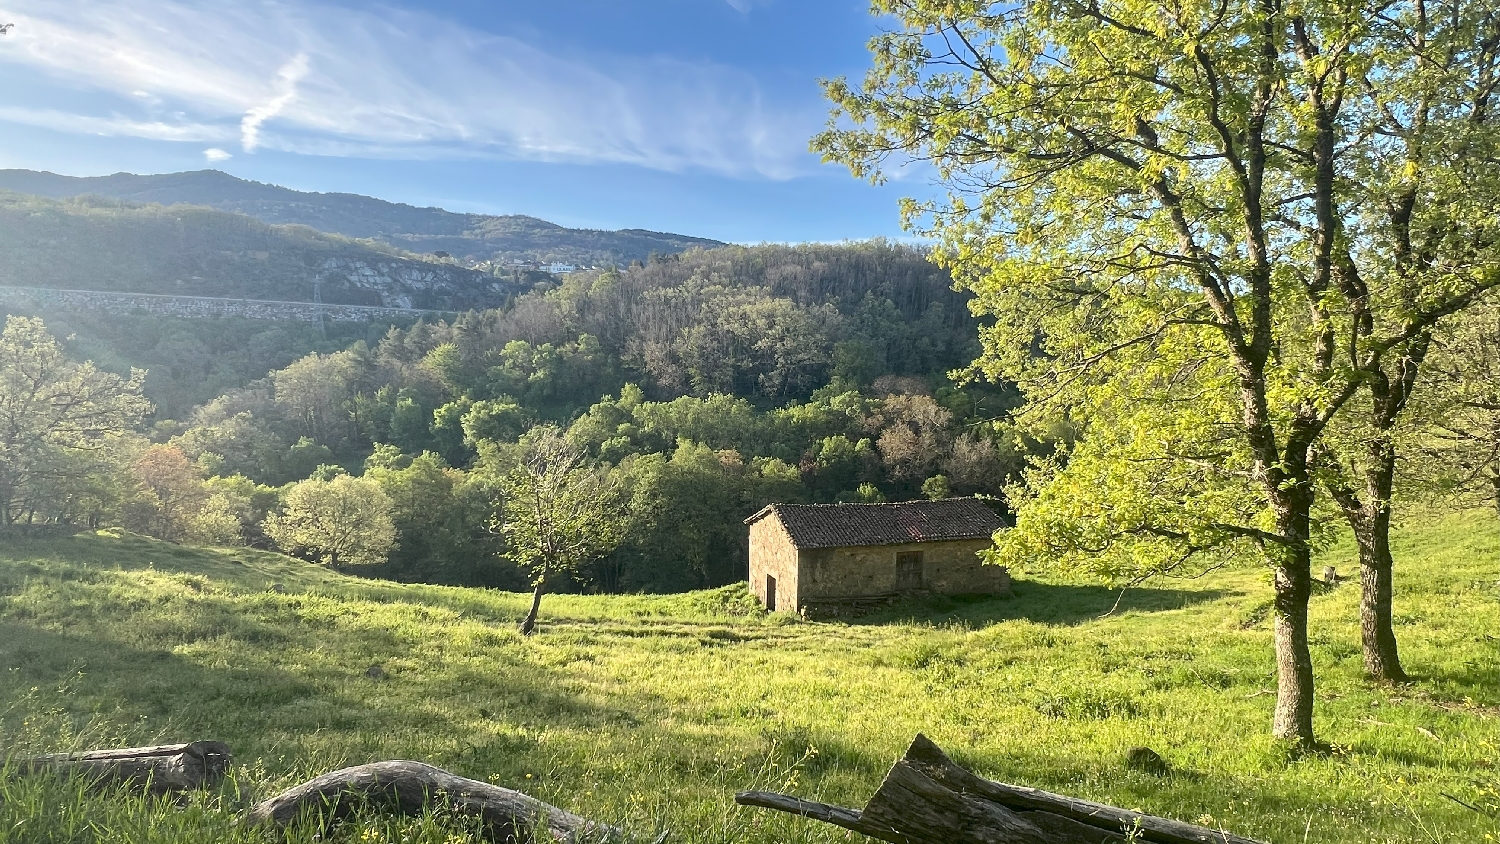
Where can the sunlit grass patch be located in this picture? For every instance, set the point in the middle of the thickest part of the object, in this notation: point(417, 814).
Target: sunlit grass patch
point(650, 711)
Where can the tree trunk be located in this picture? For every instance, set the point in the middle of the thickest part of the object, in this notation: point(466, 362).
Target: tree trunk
point(1292, 578)
point(1294, 674)
point(1495, 490)
point(528, 624)
point(927, 799)
point(1377, 629)
point(1376, 566)
point(409, 788)
point(161, 769)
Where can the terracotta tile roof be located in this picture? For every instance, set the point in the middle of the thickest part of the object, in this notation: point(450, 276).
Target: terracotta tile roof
point(840, 525)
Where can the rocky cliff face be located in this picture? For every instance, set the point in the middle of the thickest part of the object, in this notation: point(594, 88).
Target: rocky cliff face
point(395, 283)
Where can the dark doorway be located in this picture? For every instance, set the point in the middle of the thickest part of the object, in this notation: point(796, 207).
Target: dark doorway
point(770, 593)
point(908, 571)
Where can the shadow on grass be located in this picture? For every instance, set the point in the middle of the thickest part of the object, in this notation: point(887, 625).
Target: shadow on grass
point(1040, 602)
point(268, 695)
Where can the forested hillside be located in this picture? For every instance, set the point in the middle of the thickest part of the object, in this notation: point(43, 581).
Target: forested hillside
point(700, 386)
point(191, 361)
point(471, 236)
point(99, 244)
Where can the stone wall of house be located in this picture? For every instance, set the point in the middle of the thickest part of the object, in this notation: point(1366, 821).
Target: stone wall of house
point(830, 575)
point(773, 555)
point(197, 307)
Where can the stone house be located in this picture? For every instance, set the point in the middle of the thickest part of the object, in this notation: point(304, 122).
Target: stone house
point(814, 557)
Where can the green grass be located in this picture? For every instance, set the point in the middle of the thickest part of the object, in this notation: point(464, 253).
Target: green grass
point(650, 711)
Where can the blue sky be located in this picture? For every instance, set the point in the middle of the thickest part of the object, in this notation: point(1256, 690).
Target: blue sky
point(681, 115)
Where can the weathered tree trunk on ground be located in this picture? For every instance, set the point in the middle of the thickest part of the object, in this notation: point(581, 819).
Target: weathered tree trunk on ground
point(407, 788)
point(162, 769)
point(927, 799)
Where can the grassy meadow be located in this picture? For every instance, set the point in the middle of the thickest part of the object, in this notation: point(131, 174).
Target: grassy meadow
point(650, 711)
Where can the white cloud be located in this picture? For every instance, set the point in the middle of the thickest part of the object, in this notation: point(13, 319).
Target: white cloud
point(286, 82)
point(215, 154)
point(113, 125)
point(302, 77)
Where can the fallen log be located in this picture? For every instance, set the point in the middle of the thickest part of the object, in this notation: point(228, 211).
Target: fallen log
point(928, 799)
point(406, 788)
point(160, 770)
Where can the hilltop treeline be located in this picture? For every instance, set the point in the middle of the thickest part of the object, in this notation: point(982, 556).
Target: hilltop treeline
point(473, 236)
point(94, 243)
point(706, 385)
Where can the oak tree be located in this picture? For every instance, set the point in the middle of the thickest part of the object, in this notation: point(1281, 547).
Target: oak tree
point(1190, 224)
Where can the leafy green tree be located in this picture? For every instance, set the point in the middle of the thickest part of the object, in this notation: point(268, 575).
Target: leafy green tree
point(1456, 429)
point(497, 419)
point(559, 513)
point(1189, 225)
point(240, 444)
point(342, 521)
point(316, 393)
point(57, 421)
point(170, 494)
point(247, 501)
point(440, 519)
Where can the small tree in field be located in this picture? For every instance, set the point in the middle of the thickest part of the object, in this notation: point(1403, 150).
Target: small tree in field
point(559, 512)
point(343, 521)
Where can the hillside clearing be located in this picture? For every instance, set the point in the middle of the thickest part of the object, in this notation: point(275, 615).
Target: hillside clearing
point(649, 711)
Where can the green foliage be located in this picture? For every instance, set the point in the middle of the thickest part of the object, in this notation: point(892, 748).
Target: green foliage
point(442, 518)
point(651, 710)
point(64, 422)
point(340, 521)
point(558, 513)
point(456, 388)
point(1201, 233)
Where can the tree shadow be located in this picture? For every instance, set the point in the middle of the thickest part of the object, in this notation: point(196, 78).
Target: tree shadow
point(1046, 603)
point(309, 717)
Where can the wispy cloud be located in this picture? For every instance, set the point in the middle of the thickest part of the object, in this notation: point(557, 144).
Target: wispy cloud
point(214, 154)
point(286, 82)
point(114, 125)
point(303, 77)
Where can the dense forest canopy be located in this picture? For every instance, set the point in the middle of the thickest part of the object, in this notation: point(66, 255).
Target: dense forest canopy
point(472, 236)
point(699, 386)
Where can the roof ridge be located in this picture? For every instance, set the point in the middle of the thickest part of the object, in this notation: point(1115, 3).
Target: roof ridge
point(884, 522)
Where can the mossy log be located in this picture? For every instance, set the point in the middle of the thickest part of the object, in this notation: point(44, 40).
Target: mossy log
point(159, 770)
point(407, 788)
point(927, 799)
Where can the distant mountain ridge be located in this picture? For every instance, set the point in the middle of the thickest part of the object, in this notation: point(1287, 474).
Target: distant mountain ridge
point(99, 244)
point(472, 237)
